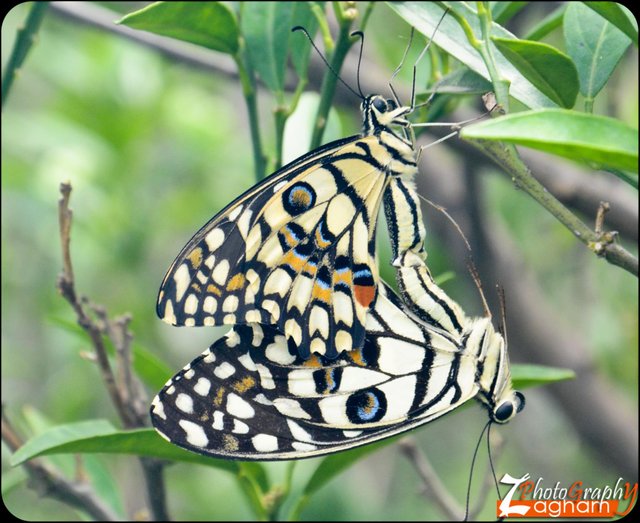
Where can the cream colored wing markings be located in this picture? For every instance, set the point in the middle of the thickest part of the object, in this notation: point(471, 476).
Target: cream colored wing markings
point(251, 397)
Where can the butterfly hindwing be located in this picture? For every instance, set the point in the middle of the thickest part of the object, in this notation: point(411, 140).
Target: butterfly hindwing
point(250, 396)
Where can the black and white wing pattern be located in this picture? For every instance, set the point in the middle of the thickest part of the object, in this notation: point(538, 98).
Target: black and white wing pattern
point(251, 397)
point(297, 251)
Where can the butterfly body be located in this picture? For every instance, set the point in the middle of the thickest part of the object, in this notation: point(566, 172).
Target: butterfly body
point(298, 250)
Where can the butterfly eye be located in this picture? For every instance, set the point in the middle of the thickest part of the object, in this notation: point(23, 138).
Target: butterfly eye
point(503, 412)
point(380, 105)
point(391, 104)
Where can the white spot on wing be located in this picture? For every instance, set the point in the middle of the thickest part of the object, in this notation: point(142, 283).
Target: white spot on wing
point(158, 408)
point(224, 370)
point(265, 443)
point(184, 403)
point(239, 427)
point(218, 420)
point(191, 304)
point(202, 387)
point(195, 433)
point(238, 407)
point(182, 280)
point(230, 304)
point(214, 239)
point(221, 272)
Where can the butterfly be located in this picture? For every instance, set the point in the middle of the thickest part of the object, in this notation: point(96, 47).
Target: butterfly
point(297, 250)
point(251, 396)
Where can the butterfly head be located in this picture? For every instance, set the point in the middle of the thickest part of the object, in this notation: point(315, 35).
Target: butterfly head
point(496, 388)
point(380, 113)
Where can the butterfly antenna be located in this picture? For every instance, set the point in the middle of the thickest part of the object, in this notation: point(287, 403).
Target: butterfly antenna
point(493, 470)
point(360, 95)
point(415, 65)
point(473, 270)
point(449, 217)
point(400, 65)
point(473, 463)
point(503, 312)
point(361, 35)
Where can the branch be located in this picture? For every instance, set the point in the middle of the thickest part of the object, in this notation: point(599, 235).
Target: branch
point(25, 38)
point(537, 334)
point(93, 15)
point(125, 391)
point(433, 488)
point(48, 482)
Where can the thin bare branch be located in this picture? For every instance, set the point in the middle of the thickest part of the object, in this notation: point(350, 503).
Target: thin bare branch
point(48, 482)
point(434, 489)
point(124, 389)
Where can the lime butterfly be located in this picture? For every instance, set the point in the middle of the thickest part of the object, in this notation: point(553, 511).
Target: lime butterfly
point(251, 396)
point(297, 250)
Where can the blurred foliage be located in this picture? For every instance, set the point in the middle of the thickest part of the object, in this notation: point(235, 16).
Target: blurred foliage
point(153, 148)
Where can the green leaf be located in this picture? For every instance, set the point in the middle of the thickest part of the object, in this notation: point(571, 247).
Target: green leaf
point(266, 27)
point(526, 375)
point(462, 81)
point(595, 45)
point(581, 137)
point(545, 26)
point(619, 16)
point(551, 71)
point(333, 465)
point(502, 12)
point(207, 24)
point(99, 436)
point(424, 16)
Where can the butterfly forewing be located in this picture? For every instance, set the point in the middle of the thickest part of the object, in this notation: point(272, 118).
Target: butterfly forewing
point(297, 251)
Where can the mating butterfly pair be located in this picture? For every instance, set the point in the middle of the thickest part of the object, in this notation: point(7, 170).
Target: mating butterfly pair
point(323, 355)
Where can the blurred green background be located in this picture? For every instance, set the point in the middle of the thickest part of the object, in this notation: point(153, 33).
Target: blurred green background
point(153, 148)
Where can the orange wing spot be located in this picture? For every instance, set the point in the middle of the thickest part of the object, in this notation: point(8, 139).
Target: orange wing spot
point(212, 289)
point(342, 277)
point(244, 384)
point(204, 417)
point(195, 256)
point(356, 357)
point(295, 262)
point(237, 282)
point(217, 401)
point(301, 198)
point(289, 238)
point(196, 287)
point(320, 242)
point(365, 294)
point(313, 361)
point(321, 293)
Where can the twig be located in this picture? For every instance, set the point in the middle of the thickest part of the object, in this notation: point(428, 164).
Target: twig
point(66, 287)
point(124, 390)
point(538, 333)
point(433, 487)
point(506, 156)
point(48, 482)
point(25, 38)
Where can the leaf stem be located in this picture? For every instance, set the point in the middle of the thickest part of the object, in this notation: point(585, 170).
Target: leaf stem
point(342, 46)
point(247, 79)
point(25, 38)
point(601, 244)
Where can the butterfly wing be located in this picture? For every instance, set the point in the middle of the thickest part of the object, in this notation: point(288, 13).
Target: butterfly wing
point(296, 251)
point(251, 397)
